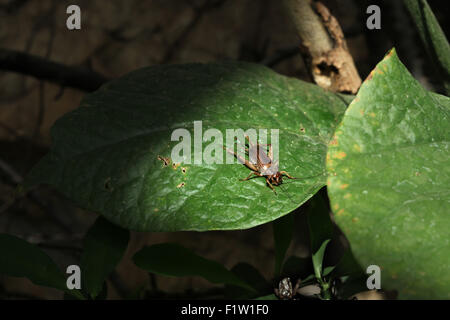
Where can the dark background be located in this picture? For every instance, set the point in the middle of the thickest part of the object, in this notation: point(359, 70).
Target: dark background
point(118, 36)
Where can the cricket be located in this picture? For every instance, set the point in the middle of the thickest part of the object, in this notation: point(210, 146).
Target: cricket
point(261, 164)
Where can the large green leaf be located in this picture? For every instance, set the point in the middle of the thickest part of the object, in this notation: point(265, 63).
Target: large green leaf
point(108, 154)
point(19, 258)
point(103, 248)
point(389, 178)
point(171, 259)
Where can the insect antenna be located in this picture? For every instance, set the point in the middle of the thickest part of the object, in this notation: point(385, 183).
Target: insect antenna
point(285, 182)
point(287, 193)
point(302, 178)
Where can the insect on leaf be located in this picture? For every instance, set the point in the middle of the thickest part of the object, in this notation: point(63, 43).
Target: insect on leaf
point(113, 154)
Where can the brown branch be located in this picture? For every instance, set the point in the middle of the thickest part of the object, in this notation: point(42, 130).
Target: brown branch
point(324, 47)
point(43, 69)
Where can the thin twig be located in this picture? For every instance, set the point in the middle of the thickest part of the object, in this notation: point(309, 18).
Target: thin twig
point(44, 69)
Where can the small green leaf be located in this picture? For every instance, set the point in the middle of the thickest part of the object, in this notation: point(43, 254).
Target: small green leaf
point(389, 178)
point(432, 37)
point(18, 258)
point(112, 155)
point(327, 270)
point(317, 259)
point(171, 259)
point(103, 248)
point(283, 229)
point(308, 278)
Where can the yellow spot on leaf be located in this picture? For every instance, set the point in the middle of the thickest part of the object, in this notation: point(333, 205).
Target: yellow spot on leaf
point(156, 210)
point(343, 186)
point(340, 155)
point(347, 195)
point(175, 166)
point(361, 112)
point(340, 212)
point(355, 219)
point(335, 207)
point(357, 148)
point(372, 114)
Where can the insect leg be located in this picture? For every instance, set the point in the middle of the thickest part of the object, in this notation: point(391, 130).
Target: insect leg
point(242, 160)
point(286, 174)
point(249, 176)
point(270, 185)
